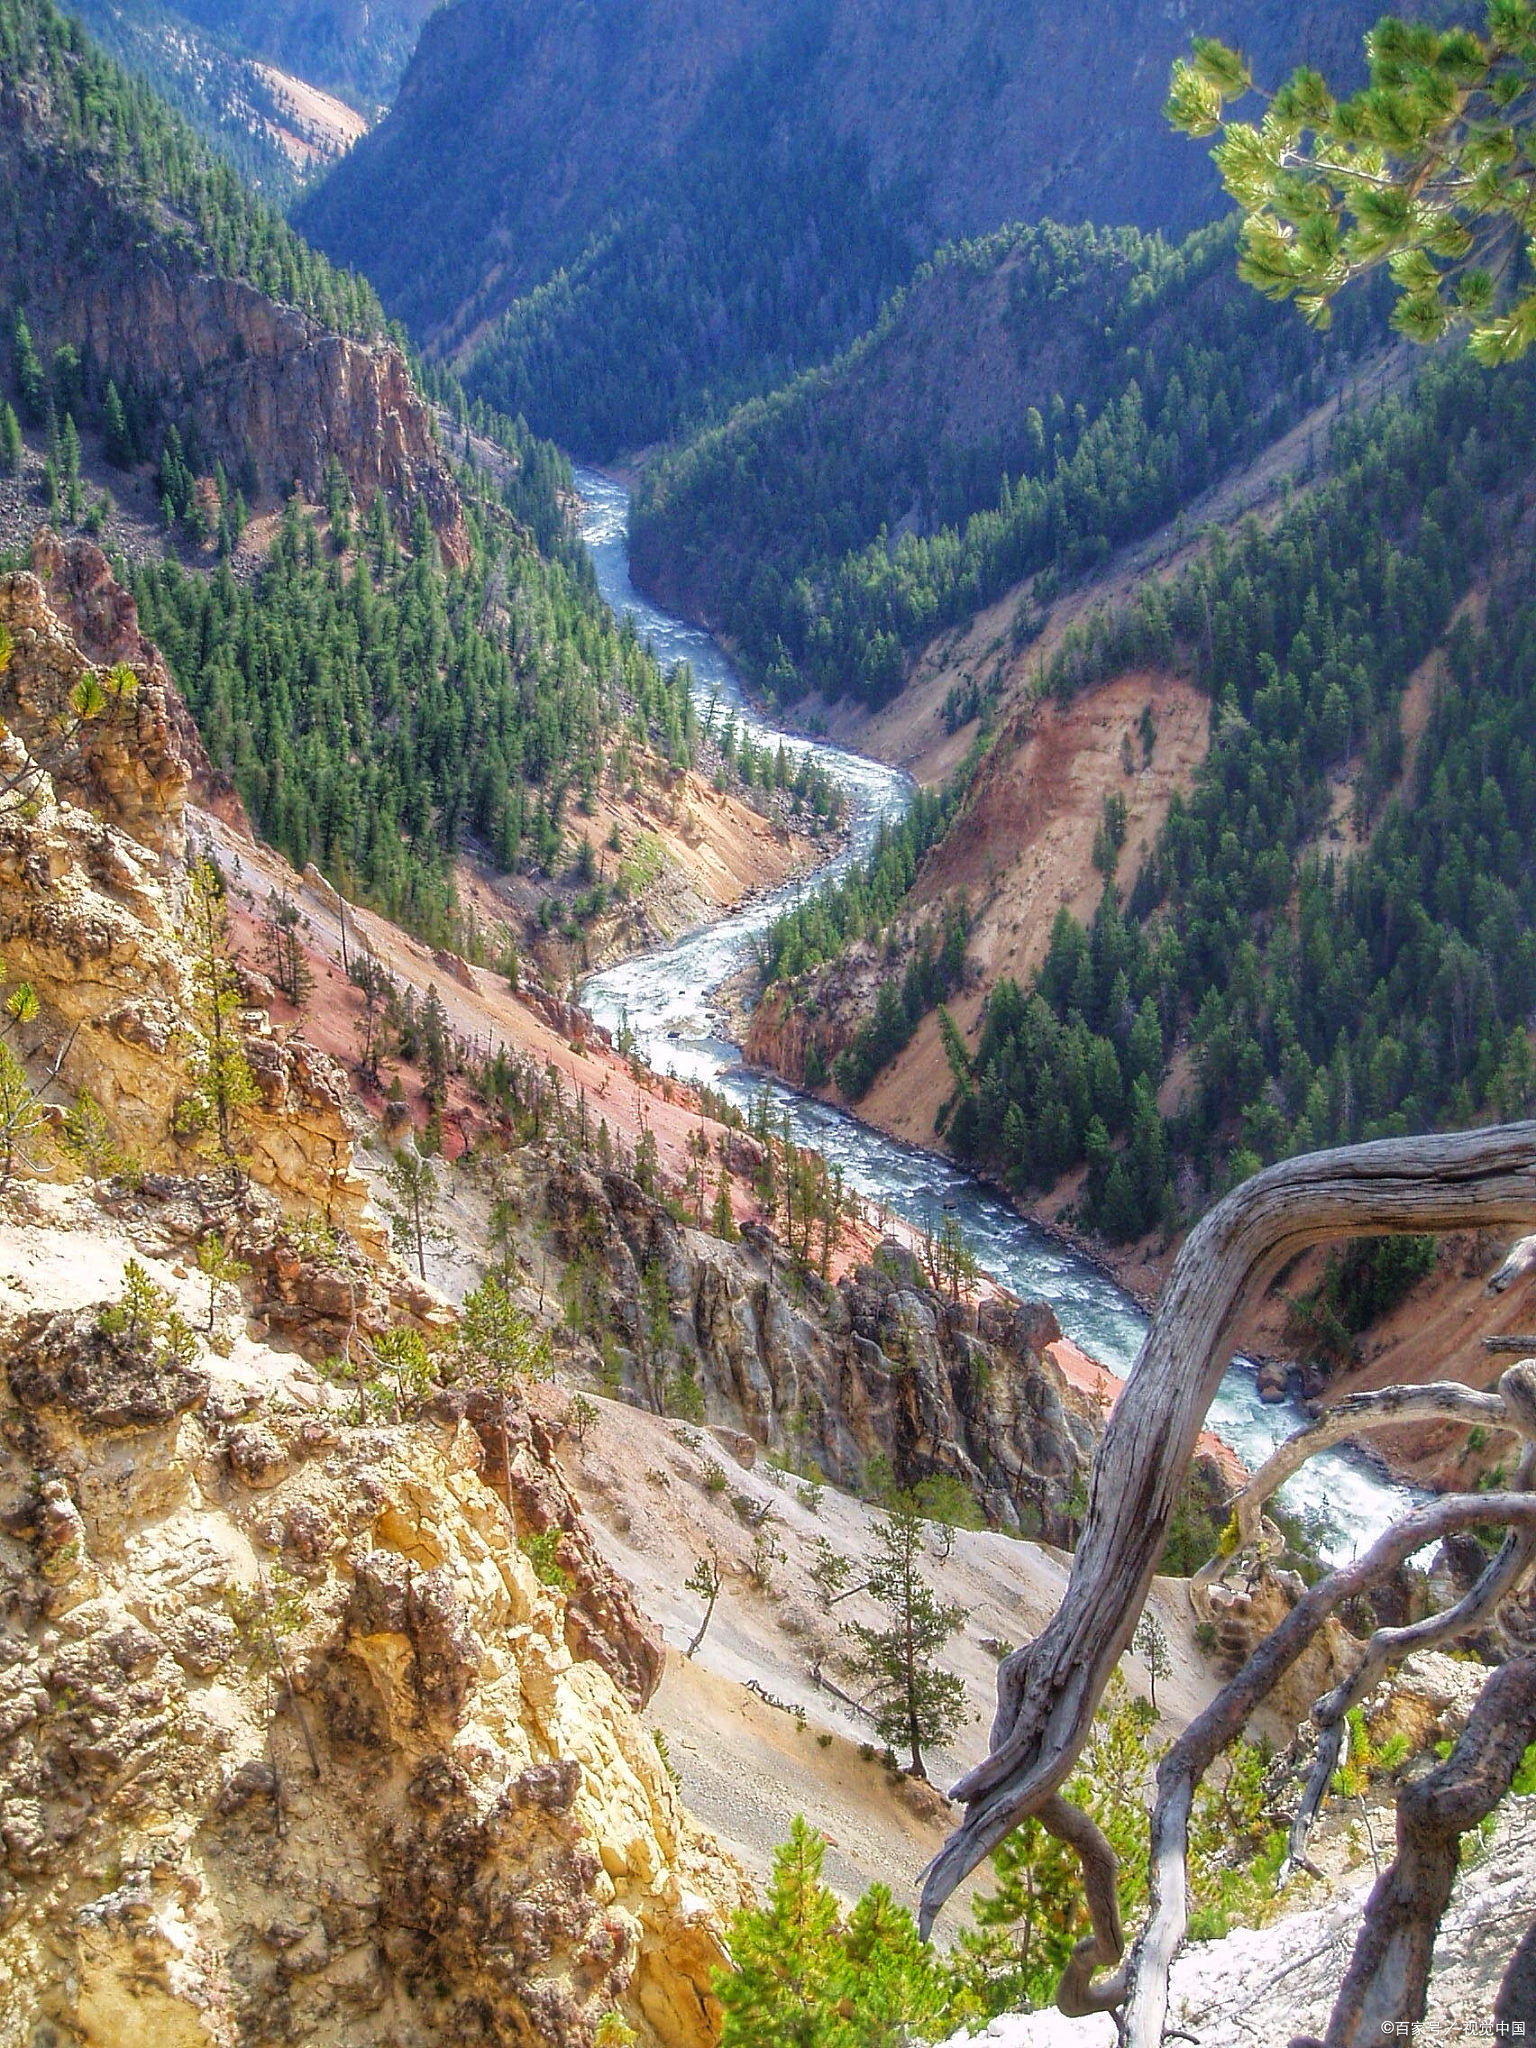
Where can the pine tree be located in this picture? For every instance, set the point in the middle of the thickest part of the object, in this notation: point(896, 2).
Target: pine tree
point(117, 440)
point(806, 1979)
point(412, 1209)
point(220, 1267)
point(1150, 1644)
point(21, 1114)
point(786, 1955)
point(284, 951)
point(1424, 170)
point(913, 1701)
point(69, 444)
point(11, 447)
point(891, 1984)
point(704, 1580)
point(223, 1084)
point(31, 383)
point(722, 1221)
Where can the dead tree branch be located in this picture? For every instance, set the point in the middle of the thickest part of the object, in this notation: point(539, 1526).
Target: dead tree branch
point(1511, 1407)
point(1388, 1975)
point(1187, 1762)
point(1389, 1646)
point(1049, 1690)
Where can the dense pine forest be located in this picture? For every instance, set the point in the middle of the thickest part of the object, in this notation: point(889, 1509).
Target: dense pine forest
point(835, 527)
point(713, 288)
point(1322, 998)
point(154, 162)
point(377, 715)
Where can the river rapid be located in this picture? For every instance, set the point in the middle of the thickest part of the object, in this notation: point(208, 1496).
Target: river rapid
point(663, 998)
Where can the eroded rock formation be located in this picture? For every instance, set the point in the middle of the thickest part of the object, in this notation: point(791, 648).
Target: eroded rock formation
point(296, 1747)
point(270, 393)
point(92, 906)
point(876, 1366)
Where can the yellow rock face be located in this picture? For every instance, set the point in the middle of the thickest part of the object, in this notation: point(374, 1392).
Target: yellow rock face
point(92, 908)
point(311, 1762)
point(295, 1746)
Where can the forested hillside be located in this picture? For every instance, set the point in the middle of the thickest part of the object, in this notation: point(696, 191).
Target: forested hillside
point(215, 88)
point(159, 293)
point(356, 48)
point(382, 694)
point(1314, 996)
point(683, 205)
point(61, 97)
point(377, 716)
point(1093, 383)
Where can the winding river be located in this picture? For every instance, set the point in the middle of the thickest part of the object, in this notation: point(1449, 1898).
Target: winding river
point(664, 998)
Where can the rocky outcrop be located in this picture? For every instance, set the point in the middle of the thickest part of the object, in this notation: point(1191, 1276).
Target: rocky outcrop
point(270, 393)
point(294, 1743)
point(876, 1366)
point(602, 1621)
point(80, 588)
point(92, 906)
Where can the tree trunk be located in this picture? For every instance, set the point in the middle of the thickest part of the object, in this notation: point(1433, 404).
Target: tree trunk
point(1048, 1691)
point(1388, 1976)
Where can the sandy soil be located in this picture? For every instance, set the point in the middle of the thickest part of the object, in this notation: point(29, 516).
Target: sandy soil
point(1022, 849)
point(312, 126)
point(745, 1766)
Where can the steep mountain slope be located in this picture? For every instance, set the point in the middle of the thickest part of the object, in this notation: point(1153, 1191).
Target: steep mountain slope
point(395, 683)
point(1105, 379)
point(1318, 929)
point(357, 48)
point(309, 1639)
point(222, 94)
point(130, 244)
point(701, 198)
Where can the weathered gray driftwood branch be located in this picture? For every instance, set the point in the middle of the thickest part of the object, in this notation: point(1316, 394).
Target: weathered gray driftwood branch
point(1224, 1719)
point(1389, 1646)
point(1388, 1976)
point(1048, 1690)
point(1512, 1407)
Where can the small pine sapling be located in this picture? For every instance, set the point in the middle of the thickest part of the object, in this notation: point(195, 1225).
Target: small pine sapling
point(705, 1580)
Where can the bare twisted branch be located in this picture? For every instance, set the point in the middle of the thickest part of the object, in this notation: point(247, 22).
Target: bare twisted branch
point(1228, 1714)
point(1048, 1691)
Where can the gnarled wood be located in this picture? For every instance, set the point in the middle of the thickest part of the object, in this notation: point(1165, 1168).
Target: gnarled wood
point(1389, 1646)
point(1228, 1714)
point(1388, 1975)
point(1048, 1691)
point(1442, 1401)
point(1077, 1995)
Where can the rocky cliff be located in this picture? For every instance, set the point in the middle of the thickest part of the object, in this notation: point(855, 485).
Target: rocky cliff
point(271, 394)
point(92, 906)
point(877, 1366)
point(317, 1705)
point(294, 1744)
